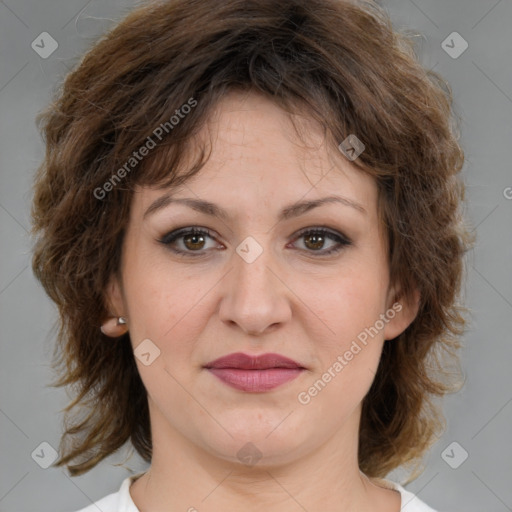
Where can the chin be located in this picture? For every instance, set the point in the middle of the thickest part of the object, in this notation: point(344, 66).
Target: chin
point(257, 444)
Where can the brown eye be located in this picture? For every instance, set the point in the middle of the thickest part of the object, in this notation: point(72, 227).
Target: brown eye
point(315, 240)
point(191, 242)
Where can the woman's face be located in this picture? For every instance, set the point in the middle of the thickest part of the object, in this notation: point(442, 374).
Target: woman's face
point(310, 283)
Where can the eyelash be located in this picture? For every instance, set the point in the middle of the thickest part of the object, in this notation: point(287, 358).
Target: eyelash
point(172, 236)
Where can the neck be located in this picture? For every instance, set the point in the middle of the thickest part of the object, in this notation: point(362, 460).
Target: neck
point(186, 477)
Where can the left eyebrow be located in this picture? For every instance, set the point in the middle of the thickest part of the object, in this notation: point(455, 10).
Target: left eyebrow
point(208, 208)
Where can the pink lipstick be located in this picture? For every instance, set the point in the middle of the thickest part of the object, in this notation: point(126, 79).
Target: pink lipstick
point(254, 374)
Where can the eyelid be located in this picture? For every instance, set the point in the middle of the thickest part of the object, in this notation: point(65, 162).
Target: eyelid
point(174, 234)
point(325, 229)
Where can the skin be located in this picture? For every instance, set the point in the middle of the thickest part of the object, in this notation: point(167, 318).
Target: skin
point(291, 300)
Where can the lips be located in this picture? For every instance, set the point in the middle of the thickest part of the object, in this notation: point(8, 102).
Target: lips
point(247, 362)
point(254, 373)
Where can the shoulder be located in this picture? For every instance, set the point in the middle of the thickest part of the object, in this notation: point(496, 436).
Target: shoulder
point(119, 501)
point(410, 502)
point(108, 503)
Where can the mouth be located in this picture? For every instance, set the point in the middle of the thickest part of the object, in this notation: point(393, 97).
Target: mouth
point(254, 374)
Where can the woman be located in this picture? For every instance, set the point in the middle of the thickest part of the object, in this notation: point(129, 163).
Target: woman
point(249, 218)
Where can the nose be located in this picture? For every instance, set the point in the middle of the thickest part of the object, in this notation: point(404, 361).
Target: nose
point(255, 297)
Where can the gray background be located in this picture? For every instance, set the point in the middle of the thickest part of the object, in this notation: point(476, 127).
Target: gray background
point(478, 417)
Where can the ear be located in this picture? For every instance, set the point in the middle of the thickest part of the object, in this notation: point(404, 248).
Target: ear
point(114, 302)
point(401, 312)
point(114, 297)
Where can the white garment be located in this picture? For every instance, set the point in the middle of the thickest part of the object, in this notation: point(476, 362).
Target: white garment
point(121, 501)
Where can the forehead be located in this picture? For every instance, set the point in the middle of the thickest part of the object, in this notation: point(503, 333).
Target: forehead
point(257, 159)
point(249, 127)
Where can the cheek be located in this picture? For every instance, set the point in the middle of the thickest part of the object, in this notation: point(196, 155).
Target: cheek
point(347, 364)
point(350, 302)
point(161, 298)
point(349, 345)
point(169, 312)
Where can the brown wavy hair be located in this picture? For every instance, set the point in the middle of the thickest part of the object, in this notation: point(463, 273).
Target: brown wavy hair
point(344, 63)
